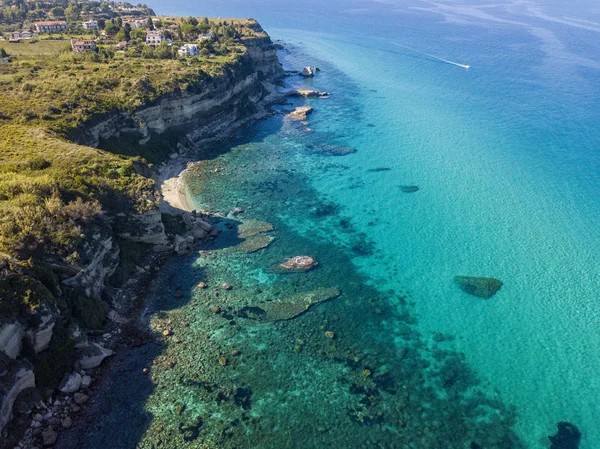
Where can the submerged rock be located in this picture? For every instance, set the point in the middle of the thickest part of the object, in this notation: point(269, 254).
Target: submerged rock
point(255, 243)
point(332, 150)
point(482, 287)
point(291, 306)
point(298, 264)
point(409, 189)
point(249, 228)
point(568, 437)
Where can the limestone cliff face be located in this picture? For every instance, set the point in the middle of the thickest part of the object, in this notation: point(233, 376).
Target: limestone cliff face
point(241, 92)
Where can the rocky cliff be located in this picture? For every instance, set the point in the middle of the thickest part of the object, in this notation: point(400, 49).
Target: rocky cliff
point(71, 297)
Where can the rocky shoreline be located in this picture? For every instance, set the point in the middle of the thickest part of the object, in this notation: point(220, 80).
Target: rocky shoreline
point(209, 117)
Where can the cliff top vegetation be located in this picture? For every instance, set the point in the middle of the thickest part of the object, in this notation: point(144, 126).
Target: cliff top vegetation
point(52, 190)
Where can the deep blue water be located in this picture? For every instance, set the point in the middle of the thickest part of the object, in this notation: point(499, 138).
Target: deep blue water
point(506, 158)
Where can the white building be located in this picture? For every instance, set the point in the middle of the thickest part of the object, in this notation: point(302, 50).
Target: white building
point(56, 26)
point(90, 25)
point(188, 50)
point(154, 38)
point(206, 36)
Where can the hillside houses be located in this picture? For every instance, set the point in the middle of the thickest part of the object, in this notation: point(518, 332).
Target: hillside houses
point(90, 25)
point(154, 38)
point(56, 26)
point(188, 50)
point(83, 46)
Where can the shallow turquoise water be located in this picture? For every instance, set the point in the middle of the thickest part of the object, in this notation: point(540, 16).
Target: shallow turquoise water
point(505, 156)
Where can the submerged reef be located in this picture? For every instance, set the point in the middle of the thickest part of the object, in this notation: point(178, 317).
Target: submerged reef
point(482, 287)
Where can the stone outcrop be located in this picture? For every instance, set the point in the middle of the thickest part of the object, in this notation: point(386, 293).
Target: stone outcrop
point(481, 287)
point(309, 71)
point(298, 264)
point(11, 335)
point(300, 113)
point(93, 356)
point(567, 437)
point(14, 378)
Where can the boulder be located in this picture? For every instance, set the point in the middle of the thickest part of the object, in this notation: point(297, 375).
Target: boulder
point(49, 436)
point(80, 398)
point(70, 383)
point(298, 264)
point(481, 287)
point(93, 356)
point(86, 381)
point(180, 245)
point(309, 71)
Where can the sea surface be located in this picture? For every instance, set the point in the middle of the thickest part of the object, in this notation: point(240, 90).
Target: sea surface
point(506, 159)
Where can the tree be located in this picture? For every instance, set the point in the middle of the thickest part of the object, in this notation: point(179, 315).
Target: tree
point(3, 53)
point(57, 11)
point(101, 23)
point(72, 12)
point(150, 24)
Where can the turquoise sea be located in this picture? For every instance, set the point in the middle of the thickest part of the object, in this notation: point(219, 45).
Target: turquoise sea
point(506, 158)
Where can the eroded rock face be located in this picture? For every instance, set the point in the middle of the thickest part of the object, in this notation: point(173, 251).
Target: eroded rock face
point(568, 437)
point(481, 287)
point(104, 260)
point(10, 339)
point(40, 337)
point(13, 380)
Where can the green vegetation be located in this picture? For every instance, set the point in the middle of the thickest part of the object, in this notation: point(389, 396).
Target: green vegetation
point(54, 193)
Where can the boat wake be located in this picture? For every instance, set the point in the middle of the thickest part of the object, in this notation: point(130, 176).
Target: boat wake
point(437, 58)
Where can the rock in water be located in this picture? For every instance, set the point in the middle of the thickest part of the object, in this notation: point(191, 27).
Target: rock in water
point(300, 113)
point(482, 287)
point(568, 437)
point(409, 189)
point(298, 264)
point(332, 150)
point(309, 71)
point(291, 306)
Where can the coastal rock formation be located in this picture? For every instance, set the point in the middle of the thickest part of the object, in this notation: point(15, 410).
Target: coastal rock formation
point(298, 264)
point(309, 93)
point(70, 383)
point(93, 356)
point(14, 378)
point(103, 263)
point(568, 437)
point(309, 71)
point(300, 113)
point(253, 233)
point(291, 306)
point(11, 335)
point(482, 287)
